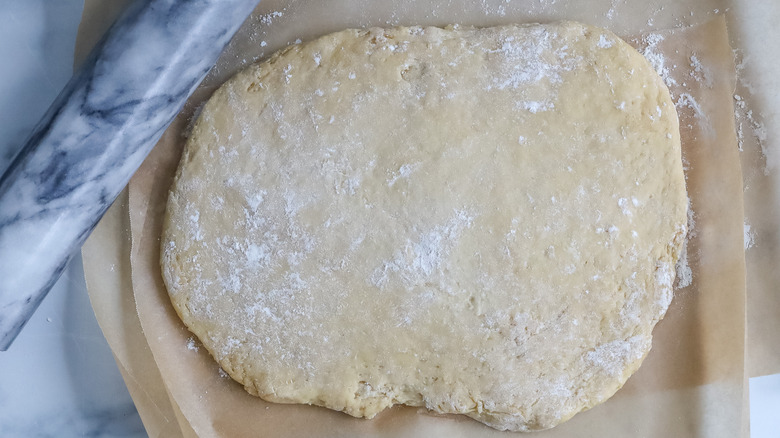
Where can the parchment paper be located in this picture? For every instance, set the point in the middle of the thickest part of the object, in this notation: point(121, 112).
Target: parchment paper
point(755, 34)
point(692, 382)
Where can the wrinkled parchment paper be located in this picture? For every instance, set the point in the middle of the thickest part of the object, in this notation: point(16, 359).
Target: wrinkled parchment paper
point(692, 381)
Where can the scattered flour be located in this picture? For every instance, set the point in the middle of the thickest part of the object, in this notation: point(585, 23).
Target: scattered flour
point(749, 124)
point(425, 257)
point(653, 54)
point(403, 172)
point(611, 12)
point(745, 116)
point(523, 62)
point(623, 204)
point(686, 100)
point(684, 271)
point(613, 356)
point(269, 18)
point(750, 236)
point(700, 73)
point(535, 106)
point(604, 43)
point(192, 345)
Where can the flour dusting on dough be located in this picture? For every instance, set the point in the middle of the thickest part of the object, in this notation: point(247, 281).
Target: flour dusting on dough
point(424, 256)
point(386, 211)
point(653, 54)
point(613, 356)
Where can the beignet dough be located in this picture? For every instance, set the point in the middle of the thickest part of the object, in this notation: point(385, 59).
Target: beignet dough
point(478, 221)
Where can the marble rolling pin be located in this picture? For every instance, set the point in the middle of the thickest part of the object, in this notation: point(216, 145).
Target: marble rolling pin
point(96, 134)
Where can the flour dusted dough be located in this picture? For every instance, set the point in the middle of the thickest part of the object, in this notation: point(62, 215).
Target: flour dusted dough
point(478, 221)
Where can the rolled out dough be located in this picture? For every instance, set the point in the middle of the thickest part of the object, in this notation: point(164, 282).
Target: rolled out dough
point(478, 221)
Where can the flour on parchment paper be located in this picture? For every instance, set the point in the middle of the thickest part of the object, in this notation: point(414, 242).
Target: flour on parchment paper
point(748, 122)
point(192, 344)
point(750, 236)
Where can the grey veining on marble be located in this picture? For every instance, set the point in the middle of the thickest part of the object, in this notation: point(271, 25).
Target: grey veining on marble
point(96, 134)
point(60, 378)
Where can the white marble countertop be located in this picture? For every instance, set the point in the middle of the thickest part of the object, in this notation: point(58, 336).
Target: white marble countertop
point(59, 378)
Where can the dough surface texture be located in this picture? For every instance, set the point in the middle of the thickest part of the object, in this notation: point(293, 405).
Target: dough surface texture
point(477, 221)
